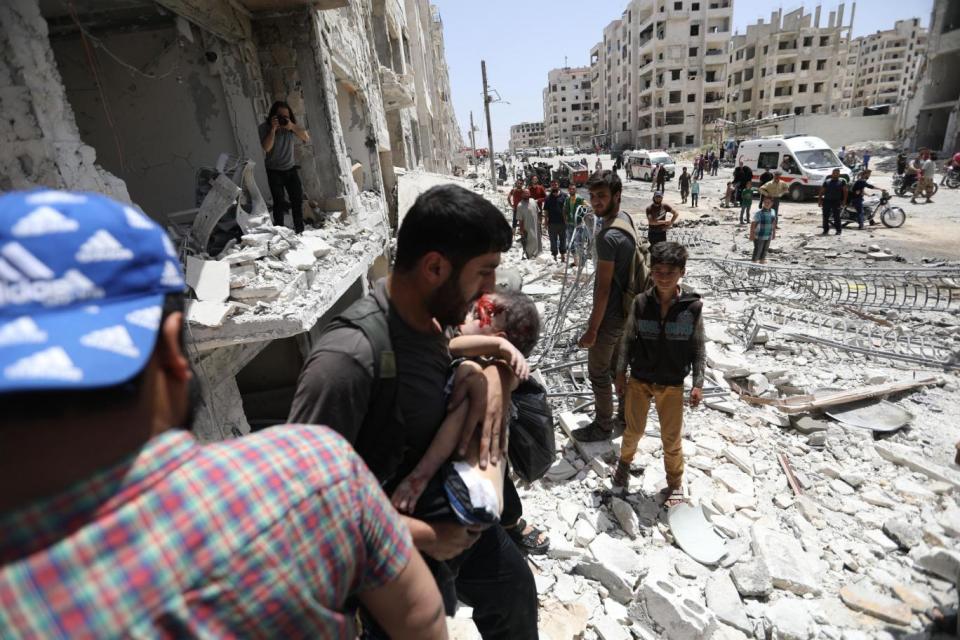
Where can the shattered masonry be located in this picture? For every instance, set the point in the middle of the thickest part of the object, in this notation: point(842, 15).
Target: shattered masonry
point(147, 101)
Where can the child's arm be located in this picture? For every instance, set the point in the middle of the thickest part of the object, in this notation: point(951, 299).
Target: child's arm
point(699, 358)
point(491, 347)
point(441, 448)
point(753, 230)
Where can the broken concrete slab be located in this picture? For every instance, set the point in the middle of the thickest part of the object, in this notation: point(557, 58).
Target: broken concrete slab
point(790, 567)
point(208, 314)
point(950, 521)
point(694, 534)
point(911, 459)
point(903, 533)
point(941, 562)
point(733, 479)
point(752, 579)
point(209, 279)
point(609, 629)
point(807, 424)
point(789, 619)
point(559, 621)
point(315, 244)
point(724, 600)
point(860, 598)
point(560, 471)
point(626, 516)
point(740, 457)
point(680, 616)
point(912, 597)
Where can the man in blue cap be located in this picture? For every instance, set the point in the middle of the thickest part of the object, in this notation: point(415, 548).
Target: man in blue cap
point(115, 521)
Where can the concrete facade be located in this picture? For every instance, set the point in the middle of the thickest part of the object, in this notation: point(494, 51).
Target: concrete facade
point(526, 135)
point(938, 112)
point(886, 65)
point(568, 107)
point(789, 65)
point(659, 73)
point(158, 103)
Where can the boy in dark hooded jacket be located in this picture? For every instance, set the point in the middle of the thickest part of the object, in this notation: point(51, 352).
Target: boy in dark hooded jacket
point(662, 342)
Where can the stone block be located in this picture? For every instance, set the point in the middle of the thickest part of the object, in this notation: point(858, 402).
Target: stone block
point(903, 533)
point(789, 566)
point(941, 562)
point(752, 579)
point(789, 619)
point(860, 598)
point(724, 600)
point(609, 629)
point(209, 279)
point(912, 597)
point(626, 516)
point(678, 614)
point(911, 459)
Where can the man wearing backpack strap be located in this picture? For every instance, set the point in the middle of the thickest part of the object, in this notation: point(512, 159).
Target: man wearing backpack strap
point(377, 375)
point(622, 272)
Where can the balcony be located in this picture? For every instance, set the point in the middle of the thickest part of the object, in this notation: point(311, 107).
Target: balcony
point(399, 90)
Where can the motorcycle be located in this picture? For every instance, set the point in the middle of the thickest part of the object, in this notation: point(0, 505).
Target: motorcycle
point(952, 180)
point(877, 206)
point(906, 183)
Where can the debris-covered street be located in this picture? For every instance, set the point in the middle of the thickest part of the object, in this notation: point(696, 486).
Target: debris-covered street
point(822, 521)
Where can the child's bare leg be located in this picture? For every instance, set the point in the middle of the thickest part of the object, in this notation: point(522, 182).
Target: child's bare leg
point(444, 443)
point(494, 471)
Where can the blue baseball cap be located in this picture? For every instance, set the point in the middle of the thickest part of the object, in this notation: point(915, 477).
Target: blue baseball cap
point(82, 284)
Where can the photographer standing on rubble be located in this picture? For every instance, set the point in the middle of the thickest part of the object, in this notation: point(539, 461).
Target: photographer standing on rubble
point(116, 522)
point(277, 138)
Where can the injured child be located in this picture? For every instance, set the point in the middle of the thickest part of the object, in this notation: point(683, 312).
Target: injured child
point(501, 326)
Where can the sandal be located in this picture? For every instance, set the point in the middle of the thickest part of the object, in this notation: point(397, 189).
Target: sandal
point(672, 497)
point(621, 477)
point(528, 542)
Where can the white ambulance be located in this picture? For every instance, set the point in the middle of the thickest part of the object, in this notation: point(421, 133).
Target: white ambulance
point(804, 162)
point(639, 163)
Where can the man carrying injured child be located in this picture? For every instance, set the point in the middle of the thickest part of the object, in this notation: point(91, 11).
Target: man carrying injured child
point(502, 326)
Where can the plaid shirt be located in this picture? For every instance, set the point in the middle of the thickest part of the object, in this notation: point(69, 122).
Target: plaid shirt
point(263, 536)
point(764, 219)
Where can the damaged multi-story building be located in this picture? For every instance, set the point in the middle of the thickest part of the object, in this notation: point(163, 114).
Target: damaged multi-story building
point(791, 65)
point(158, 103)
point(526, 135)
point(659, 73)
point(568, 107)
point(884, 65)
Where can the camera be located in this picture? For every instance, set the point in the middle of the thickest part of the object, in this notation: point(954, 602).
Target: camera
point(283, 120)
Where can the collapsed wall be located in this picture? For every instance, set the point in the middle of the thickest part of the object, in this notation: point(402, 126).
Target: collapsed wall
point(168, 96)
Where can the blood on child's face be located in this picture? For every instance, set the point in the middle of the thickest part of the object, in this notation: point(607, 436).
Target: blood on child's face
point(482, 318)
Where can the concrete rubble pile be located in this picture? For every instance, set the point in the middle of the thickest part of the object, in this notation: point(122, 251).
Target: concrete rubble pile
point(823, 529)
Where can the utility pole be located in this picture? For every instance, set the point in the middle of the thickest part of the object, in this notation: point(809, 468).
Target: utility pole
point(473, 143)
point(486, 108)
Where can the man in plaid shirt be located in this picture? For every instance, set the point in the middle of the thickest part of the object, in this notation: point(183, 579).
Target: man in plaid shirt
point(115, 521)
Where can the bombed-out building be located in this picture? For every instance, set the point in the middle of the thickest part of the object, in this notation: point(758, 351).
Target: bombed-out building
point(158, 103)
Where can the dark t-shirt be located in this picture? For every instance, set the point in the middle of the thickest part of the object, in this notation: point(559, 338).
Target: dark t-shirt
point(280, 157)
point(856, 191)
point(617, 247)
point(554, 208)
point(336, 382)
point(684, 180)
point(833, 190)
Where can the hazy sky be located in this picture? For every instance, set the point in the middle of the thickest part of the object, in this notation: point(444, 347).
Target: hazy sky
point(522, 40)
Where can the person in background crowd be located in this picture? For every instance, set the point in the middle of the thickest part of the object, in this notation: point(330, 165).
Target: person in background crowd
point(694, 192)
point(746, 202)
point(570, 207)
point(116, 522)
point(615, 249)
point(277, 137)
point(654, 173)
point(662, 179)
point(598, 166)
point(448, 250)
point(856, 194)
point(866, 159)
point(538, 193)
point(743, 178)
point(556, 222)
point(528, 222)
point(684, 183)
point(763, 229)
point(901, 163)
point(657, 223)
point(765, 177)
point(832, 197)
point(715, 166)
point(775, 189)
point(928, 169)
point(513, 199)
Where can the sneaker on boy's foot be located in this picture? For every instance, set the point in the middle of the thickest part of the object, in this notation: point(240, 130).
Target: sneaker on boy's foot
point(621, 477)
point(593, 432)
